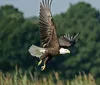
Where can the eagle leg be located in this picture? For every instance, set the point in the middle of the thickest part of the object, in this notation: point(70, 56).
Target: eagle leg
point(39, 62)
point(45, 61)
point(44, 55)
point(43, 67)
point(42, 58)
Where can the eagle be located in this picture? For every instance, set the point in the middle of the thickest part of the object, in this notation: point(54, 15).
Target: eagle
point(51, 45)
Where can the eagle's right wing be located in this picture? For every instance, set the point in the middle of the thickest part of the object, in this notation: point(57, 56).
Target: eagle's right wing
point(68, 40)
point(48, 35)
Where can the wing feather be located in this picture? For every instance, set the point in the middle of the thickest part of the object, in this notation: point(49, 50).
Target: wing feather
point(48, 35)
point(68, 40)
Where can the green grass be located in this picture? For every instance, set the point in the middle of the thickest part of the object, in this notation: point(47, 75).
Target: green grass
point(19, 78)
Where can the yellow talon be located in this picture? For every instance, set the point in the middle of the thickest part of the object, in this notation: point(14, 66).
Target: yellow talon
point(43, 67)
point(39, 62)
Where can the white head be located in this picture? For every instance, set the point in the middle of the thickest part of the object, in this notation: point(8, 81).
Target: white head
point(64, 51)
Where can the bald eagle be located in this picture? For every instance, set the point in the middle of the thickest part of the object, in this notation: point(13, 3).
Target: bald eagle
point(51, 45)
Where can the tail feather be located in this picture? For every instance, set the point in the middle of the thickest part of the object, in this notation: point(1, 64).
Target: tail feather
point(36, 51)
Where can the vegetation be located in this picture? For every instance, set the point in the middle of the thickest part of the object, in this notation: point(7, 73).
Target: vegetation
point(17, 34)
point(19, 78)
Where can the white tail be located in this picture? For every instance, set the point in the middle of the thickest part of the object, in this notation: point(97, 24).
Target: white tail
point(36, 51)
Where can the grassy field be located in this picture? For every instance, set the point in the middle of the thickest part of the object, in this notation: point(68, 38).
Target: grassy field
point(19, 78)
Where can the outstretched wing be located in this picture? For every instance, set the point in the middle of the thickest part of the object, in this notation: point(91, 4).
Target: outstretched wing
point(68, 40)
point(48, 35)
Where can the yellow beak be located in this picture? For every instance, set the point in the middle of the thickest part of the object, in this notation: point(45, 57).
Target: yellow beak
point(68, 51)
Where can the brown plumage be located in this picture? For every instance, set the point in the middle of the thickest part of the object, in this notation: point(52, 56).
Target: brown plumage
point(68, 40)
point(48, 36)
point(50, 44)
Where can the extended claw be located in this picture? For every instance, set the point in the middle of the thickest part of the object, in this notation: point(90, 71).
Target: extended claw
point(39, 62)
point(43, 67)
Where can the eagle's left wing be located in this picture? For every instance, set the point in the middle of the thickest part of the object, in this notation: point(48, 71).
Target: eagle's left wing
point(48, 35)
point(68, 40)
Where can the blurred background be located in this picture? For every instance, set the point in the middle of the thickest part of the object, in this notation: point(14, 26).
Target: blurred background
point(19, 29)
point(31, 7)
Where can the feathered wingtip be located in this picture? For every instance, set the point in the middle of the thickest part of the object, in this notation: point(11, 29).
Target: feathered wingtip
point(76, 36)
point(47, 3)
point(71, 38)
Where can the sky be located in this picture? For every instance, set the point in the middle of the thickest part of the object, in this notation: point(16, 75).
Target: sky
point(31, 7)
